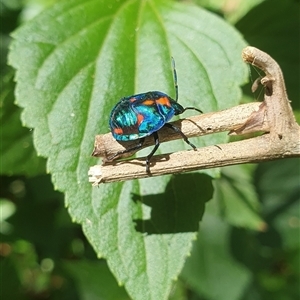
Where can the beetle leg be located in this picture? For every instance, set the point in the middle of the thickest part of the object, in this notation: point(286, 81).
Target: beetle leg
point(181, 133)
point(136, 147)
point(157, 143)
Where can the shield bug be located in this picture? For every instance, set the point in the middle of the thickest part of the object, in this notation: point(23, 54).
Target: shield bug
point(138, 116)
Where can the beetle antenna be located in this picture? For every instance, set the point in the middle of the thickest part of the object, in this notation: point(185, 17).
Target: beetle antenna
point(175, 79)
point(194, 108)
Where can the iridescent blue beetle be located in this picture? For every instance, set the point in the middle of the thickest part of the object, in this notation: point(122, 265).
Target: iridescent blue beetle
point(138, 116)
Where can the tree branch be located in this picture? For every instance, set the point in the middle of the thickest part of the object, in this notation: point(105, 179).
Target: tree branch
point(273, 116)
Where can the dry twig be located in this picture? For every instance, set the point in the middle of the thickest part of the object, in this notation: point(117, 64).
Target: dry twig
point(273, 116)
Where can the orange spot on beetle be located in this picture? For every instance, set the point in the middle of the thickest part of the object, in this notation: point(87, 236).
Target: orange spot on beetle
point(118, 131)
point(148, 102)
point(163, 101)
point(140, 118)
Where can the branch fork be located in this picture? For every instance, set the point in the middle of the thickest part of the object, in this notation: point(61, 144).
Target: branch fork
point(273, 116)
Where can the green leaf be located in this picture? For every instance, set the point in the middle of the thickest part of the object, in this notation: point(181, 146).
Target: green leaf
point(7, 209)
point(74, 61)
point(237, 198)
point(277, 185)
point(18, 156)
point(94, 281)
point(211, 269)
point(273, 255)
point(232, 11)
point(147, 238)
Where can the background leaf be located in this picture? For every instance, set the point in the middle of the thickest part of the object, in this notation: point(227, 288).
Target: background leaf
point(87, 275)
point(18, 155)
point(211, 269)
point(231, 10)
point(237, 199)
point(74, 61)
point(274, 33)
point(40, 237)
point(273, 256)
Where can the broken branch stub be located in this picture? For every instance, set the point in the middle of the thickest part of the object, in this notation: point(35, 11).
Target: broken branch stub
point(278, 109)
point(273, 116)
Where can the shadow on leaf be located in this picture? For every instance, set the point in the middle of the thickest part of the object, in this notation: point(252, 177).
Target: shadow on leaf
point(179, 208)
